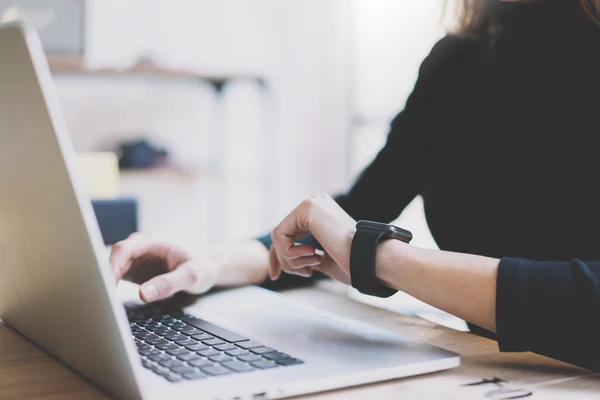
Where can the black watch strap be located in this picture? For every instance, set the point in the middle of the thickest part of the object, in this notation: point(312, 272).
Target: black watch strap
point(363, 256)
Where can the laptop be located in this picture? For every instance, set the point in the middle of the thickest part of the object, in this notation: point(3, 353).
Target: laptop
point(56, 287)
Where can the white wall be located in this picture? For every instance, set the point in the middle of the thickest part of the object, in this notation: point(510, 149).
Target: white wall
point(281, 148)
point(390, 40)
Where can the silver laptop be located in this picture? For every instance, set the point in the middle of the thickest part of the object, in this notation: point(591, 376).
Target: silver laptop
point(57, 289)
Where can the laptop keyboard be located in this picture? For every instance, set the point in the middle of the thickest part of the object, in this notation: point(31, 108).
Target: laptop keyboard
point(179, 346)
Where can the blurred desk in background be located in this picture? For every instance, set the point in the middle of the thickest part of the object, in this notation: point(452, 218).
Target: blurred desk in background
point(28, 372)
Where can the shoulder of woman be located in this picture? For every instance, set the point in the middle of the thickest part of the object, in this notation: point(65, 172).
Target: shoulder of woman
point(452, 48)
point(451, 55)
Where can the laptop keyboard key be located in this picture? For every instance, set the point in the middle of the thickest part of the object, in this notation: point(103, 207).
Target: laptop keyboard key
point(168, 346)
point(197, 347)
point(144, 336)
point(237, 352)
point(202, 336)
point(182, 316)
point(213, 342)
point(178, 327)
point(263, 350)
point(183, 370)
point(175, 336)
point(289, 361)
point(157, 342)
point(177, 352)
point(186, 342)
point(263, 364)
point(238, 366)
point(215, 370)
point(190, 332)
point(249, 344)
point(203, 362)
point(209, 353)
point(173, 378)
point(250, 357)
point(171, 364)
point(225, 347)
point(194, 376)
point(159, 357)
point(188, 357)
point(275, 356)
point(220, 358)
point(160, 371)
point(147, 352)
point(215, 330)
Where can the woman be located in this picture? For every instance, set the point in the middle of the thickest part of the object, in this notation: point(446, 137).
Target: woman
point(498, 138)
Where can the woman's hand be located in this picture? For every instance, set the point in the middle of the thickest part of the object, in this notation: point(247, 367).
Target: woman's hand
point(460, 284)
point(322, 217)
point(163, 269)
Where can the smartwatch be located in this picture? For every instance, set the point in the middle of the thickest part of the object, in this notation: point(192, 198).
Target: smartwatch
point(363, 256)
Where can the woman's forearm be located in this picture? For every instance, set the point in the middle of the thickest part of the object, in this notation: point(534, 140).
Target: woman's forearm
point(460, 284)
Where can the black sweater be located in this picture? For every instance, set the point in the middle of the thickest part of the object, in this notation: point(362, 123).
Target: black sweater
point(500, 139)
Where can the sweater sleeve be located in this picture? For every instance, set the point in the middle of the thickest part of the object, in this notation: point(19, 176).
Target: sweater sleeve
point(550, 308)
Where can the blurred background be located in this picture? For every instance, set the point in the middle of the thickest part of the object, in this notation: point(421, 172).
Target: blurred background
point(226, 114)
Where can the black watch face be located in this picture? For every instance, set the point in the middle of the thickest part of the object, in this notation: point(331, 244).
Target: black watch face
point(378, 226)
point(401, 234)
point(393, 232)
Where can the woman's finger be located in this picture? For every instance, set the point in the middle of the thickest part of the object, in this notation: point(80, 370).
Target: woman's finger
point(285, 234)
point(125, 253)
point(180, 279)
point(305, 272)
point(308, 261)
point(277, 265)
point(301, 250)
point(274, 269)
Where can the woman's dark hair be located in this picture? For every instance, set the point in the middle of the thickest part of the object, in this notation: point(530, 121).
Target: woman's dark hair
point(477, 16)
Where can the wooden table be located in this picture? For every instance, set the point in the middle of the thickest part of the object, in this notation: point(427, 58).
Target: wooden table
point(27, 372)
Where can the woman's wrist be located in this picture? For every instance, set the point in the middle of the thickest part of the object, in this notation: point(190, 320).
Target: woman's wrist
point(392, 258)
point(242, 264)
